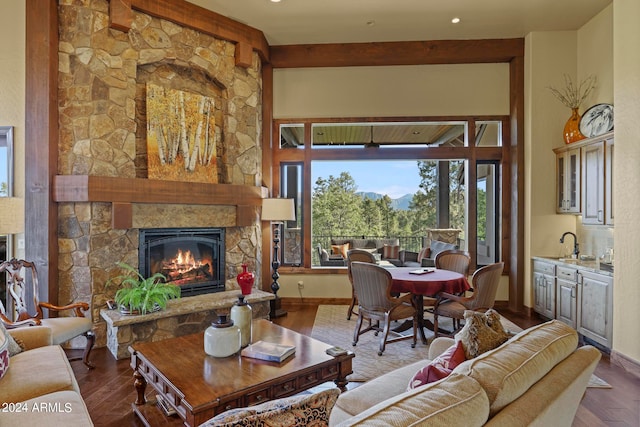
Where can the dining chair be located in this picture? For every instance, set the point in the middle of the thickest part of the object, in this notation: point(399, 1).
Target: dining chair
point(454, 260)
point(359, 255)
point(484, 282)
point(63, 328)
point(372, 284)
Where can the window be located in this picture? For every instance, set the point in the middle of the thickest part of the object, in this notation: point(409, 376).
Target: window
point(323, 165)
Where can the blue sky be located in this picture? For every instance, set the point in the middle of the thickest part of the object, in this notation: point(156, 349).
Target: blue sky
point(393, 178)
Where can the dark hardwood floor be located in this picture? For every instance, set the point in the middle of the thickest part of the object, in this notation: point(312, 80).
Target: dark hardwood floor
point(108, 390)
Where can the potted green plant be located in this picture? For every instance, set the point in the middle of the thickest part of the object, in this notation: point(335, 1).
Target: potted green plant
point(138, 294)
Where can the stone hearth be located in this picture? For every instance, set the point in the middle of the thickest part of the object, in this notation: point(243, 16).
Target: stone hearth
point(181, 317)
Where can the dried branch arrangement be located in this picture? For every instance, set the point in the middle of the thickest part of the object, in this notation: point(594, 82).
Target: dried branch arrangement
point(573, 95)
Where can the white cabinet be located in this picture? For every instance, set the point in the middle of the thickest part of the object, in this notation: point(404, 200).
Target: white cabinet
point(593, 184)
point(544, 288)
point(584, 179)
point(568, 181)
point(579, 297)
point(567, 295)
point(608, 181)
point(595, 308)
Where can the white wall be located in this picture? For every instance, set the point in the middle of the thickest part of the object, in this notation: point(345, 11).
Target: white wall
point(391, 91)
point(12, 86)
point(626, 168)
point(435, 90)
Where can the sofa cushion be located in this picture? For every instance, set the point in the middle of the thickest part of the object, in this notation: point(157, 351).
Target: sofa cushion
point(481, 332)
point(437, 246)
point(439, 367)
point(302, 410)
point(62, 408)
point(455, 401)
point(20, 383)
point(508, 371)
point(390, 252)
point(375, 391)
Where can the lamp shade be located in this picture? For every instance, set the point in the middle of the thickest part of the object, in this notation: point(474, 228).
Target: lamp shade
point(11, 215)
point(278, 210)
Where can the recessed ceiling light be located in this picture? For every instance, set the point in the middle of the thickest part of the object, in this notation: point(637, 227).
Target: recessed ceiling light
point(455, 20)
point(275, 1)
point(371, 23)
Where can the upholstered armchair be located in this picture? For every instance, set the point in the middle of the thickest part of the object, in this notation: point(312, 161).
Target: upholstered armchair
point(63, 328)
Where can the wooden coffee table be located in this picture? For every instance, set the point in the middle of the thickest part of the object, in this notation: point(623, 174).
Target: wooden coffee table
point(199, 386)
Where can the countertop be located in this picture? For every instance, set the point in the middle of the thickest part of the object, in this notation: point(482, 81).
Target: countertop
point(593, 266)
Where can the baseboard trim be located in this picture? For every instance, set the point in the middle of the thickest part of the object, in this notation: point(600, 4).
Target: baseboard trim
point(629, 365)
point(315, 301)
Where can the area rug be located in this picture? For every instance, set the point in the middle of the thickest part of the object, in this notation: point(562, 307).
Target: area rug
point(597, 382)
point(332, 327)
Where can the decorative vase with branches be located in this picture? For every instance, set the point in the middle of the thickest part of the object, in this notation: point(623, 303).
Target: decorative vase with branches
point(573, 95)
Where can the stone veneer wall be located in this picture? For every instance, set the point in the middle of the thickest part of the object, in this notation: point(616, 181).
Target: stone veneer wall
point(102, 72)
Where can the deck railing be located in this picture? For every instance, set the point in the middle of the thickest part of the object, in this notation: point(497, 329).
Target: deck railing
point(407, 243)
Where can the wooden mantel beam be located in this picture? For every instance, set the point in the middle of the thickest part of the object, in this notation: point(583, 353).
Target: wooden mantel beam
point(89, 188)
point(122, 192)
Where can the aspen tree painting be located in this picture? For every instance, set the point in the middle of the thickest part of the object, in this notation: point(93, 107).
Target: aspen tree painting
point(180, 136)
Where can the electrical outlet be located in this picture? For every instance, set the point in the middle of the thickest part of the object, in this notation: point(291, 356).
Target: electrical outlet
point(300, 284)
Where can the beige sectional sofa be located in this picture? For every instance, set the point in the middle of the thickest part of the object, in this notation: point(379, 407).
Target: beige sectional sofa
point(537, 377)
point(39, 387)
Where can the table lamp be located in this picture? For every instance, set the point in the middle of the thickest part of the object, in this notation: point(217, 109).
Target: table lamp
point(277, 211)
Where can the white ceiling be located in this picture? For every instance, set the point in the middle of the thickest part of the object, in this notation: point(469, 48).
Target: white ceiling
point(356, 21)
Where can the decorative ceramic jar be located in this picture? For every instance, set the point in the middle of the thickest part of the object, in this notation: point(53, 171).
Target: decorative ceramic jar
point(241, 314)
point(222, 338)
point(245, 280)
point(572, 128)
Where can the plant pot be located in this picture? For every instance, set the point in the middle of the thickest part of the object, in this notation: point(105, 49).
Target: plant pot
point(134, 312)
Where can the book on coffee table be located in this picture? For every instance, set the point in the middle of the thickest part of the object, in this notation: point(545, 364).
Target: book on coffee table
point(270, 351)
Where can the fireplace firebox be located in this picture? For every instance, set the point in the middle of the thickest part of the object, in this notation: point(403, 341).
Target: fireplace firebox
point(192, 258)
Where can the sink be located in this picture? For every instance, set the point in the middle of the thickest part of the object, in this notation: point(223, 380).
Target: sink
point(574, 260)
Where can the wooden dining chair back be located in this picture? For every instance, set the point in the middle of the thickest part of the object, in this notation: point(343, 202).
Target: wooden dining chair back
point(63, 328)
point(485, 282)
point(372, 284)
point(359, 255)
point(454, 260)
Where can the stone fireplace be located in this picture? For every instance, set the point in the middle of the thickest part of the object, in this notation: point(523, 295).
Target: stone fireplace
point(191, 258)
point(105, 200)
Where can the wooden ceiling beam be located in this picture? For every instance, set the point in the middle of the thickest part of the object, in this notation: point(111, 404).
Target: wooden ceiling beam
point(397, 53)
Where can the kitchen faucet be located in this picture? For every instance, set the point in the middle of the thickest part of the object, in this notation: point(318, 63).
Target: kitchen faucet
point(576, 249)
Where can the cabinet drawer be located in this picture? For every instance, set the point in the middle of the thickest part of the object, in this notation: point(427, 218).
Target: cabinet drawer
point(259, 396)
point(309, 378)
point(284, 389)
point(565, 273)
point(544, 267)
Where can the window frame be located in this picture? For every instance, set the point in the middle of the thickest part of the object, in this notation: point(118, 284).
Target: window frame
point(470, 152)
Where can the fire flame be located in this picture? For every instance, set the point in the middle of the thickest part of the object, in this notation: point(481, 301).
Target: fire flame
point(184, 261)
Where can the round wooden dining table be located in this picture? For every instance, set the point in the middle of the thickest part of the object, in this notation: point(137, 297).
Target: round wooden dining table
point(427, 284)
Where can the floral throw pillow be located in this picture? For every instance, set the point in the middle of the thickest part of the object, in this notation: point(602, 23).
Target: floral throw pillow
point(13, 346)
point(4, 352)
point(439, 367)
point(481, 332)
point(304, 410)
